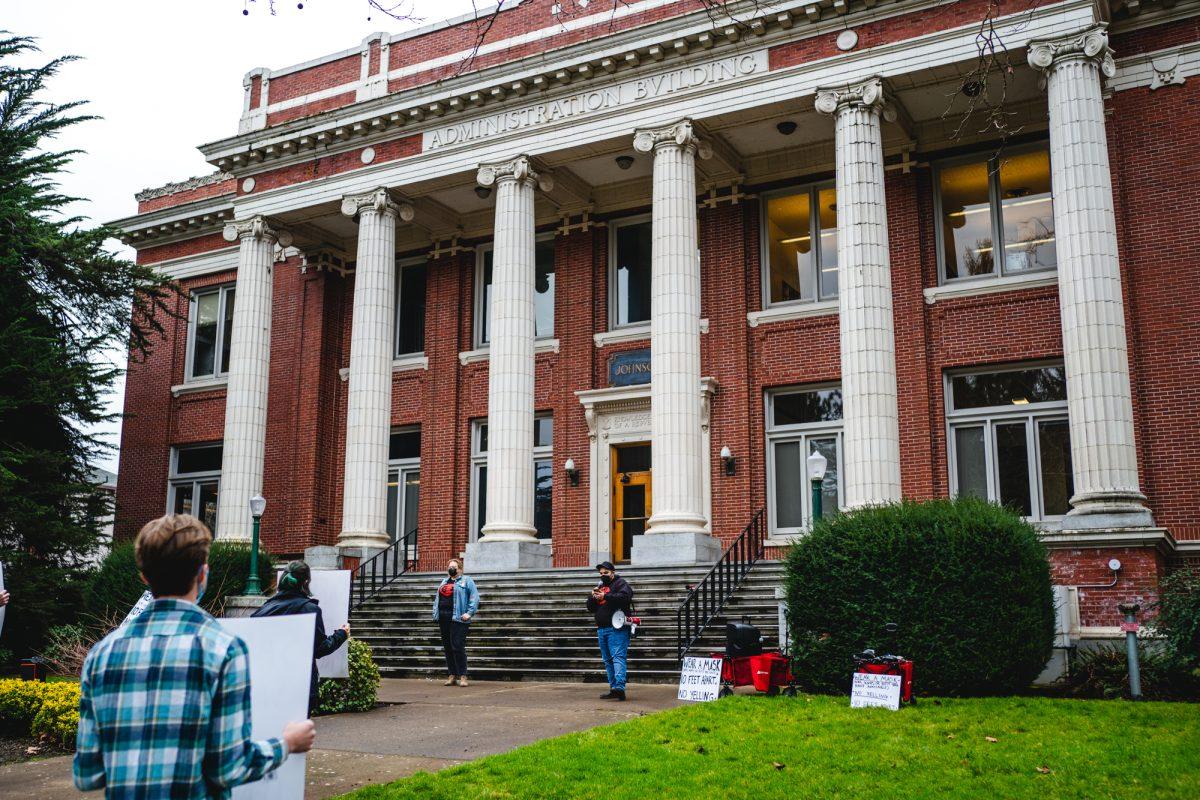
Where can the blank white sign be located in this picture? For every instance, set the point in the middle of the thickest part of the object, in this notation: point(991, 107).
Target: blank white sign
point(331, 588)
point(280, 660)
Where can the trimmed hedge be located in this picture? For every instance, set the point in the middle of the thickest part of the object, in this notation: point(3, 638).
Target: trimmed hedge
point(117, 585)
point(967, 581)
point(356, 693)
point(44, 710)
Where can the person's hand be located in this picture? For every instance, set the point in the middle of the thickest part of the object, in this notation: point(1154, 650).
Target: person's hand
point(345, 628)
point(466, 617)
point(3, 598)
point(299, 736)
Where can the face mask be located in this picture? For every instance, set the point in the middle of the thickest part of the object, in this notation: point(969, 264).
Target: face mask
point(606, 579)
point(453, 571)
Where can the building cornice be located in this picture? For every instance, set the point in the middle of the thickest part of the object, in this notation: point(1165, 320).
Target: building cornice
point(173, 223)
point(1160, 539)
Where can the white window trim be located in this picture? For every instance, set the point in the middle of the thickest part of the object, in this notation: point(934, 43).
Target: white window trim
point(996, 217)
point(477, 300)
point(223, 290)
point(782, 312)
point(976, 285)
point(478, 459)
point(397, 356)
point(175, 479)
point(400, 466)
point(777, 536)
point(814, 222)
point(484, 353)
point(614, 328)
point(632, 333)
point(200, 385)
point(989, 416)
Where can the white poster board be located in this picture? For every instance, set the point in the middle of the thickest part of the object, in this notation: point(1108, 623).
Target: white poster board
point(331, 589)
point(700, 679)
point(137, 609)
point(280, 658)
point(2, 608)
point(875, 690)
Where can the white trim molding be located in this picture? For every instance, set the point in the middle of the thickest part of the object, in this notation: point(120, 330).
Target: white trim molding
point(989, 285)
point(195, 387)
point(777, 313)
point(483, 353)
point(632, 333)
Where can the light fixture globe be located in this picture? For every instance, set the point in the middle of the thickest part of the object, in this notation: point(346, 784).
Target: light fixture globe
point(816, 466)
point(258, 504)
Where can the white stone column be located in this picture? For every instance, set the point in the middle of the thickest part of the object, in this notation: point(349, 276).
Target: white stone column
point(870, 414)
point(1099, 401)
point(678, 527)
point(509, 541)
point(372, 346)
point(249, 369)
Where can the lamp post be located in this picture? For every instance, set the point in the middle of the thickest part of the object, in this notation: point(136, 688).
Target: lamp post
point(258, 504)
point(816, 473)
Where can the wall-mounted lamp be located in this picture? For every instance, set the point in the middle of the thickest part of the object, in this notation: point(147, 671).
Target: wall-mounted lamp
point(624, 162)
point(572, 473)
point(483, 192)
point(728, 460)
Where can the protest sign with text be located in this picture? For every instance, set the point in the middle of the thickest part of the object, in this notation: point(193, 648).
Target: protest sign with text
point(870, 689)
point(700, 679)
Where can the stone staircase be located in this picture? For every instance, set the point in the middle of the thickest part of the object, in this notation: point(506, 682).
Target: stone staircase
point(533, 625)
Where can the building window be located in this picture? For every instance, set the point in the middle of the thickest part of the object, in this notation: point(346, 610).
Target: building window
point(543, 475)
point(410, 307)
point(629, 271)
point(210, 328)
point(996, 205)
point(800, 422)
point(799, 245)
point(195, 479)
point(404, 485)
point(543, 290)
point(1009, 439)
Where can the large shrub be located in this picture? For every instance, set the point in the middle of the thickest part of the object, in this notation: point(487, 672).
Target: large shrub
point(1178, 615)
point(356, 693)
point(44, 710)
point(117, 585)
point(968, 583)
point(1102, 672)
point(20, 702)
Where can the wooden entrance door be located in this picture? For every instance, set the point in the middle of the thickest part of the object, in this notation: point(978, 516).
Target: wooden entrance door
point(632, 496)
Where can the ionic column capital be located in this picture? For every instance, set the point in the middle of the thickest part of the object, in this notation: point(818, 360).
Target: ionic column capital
point(1087, 45)
point(681, 134)
point(522, 169)
point(379, 200)
point(867, 94)
point(256, 228)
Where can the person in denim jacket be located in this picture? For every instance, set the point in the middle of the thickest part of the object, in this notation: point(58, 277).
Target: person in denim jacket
point(454, 606)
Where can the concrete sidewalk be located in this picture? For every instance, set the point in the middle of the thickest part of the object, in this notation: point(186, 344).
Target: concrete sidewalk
point(427, 727)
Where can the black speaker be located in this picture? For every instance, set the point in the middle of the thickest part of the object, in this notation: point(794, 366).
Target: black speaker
point(742, 639)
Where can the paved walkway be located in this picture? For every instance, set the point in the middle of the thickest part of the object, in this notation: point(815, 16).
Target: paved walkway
point(427, 727)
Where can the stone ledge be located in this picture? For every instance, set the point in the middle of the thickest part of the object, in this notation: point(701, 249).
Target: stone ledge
point(1006, 283)
point(1157, 538)
point(824, 308)
point(631, 333)
point(194, 387)
point(484, 353)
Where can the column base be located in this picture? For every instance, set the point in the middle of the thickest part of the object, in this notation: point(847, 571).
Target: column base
point(1107, 517)
point(243, 605)
point(674, 549)
point(506, 556)
point(371, 540)
point(322, 557)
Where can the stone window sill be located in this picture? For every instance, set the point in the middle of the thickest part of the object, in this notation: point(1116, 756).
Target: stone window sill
point(483, 353)
point(632, 333)
point(405, 363)
point(799, 311)
point(1007, 283)
point(206, 385)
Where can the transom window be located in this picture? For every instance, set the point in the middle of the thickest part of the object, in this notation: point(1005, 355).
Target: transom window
point(195, 478)
point(629, 250)
point(799, 423)
point(799, 245)
point(543, 475)
point(996, 215)
point(543, 290)
point(210, 329)
point(1009, 439)
point(410, 307)
point(404, 486)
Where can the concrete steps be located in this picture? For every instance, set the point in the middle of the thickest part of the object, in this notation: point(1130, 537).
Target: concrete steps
point(533, 625)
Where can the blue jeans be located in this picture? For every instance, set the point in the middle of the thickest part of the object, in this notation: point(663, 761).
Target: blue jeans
point(614, 648)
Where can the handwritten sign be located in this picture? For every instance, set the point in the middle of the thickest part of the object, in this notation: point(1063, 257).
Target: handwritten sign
point(629, 368)
point(700, 679)
point(870, 690)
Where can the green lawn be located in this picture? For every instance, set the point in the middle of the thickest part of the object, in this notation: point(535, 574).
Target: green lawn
point(817, 747)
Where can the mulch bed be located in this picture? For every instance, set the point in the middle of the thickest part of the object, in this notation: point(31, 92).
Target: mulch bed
point(27, 748)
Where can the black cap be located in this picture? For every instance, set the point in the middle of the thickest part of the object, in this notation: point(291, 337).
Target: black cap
point(608, 565)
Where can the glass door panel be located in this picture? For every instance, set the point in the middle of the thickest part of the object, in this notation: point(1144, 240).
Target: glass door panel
point(1012, 467)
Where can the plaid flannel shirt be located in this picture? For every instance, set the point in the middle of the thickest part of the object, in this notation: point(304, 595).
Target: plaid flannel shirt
point(165, 710)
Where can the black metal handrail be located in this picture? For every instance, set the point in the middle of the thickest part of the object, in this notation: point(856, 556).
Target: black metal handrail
point(708, 597)
point(381, 569)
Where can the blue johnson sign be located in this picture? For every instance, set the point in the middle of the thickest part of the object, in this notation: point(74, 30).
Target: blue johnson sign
point(629, 368)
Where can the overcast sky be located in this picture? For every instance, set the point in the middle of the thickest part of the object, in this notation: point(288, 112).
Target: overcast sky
point(166, 76)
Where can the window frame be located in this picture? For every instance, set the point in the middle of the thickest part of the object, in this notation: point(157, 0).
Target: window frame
point(401, 265)
point(613, 226)
point(995, 215)
point(813, 189)
point(401, 466)
point(223, 290)
point(477, 339)
point(801, 432)
point(988, 417)
point(175, 479)
point(541, 454)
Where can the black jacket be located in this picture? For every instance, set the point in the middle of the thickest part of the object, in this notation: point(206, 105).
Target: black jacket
point(618, 596)
point(295, 602)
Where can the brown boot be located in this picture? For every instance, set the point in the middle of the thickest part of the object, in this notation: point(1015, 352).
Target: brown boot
point(462, 680)
point(450, 681)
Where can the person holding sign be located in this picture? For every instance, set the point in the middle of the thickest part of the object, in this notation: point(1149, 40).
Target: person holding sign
point(164, 707)
point(455, 604)
point(609, 603)
point(295, 597)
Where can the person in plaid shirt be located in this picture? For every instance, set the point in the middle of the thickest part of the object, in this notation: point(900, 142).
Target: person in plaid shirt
point(164, 710)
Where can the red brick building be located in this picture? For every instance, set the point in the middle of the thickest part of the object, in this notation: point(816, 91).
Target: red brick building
point(405, 229)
